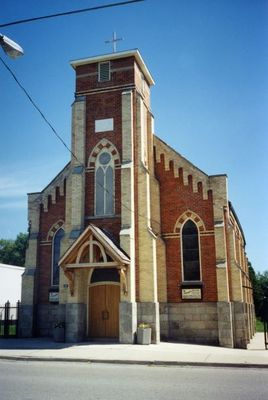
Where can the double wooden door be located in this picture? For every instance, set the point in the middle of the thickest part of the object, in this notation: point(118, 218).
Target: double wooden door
point(103, 311)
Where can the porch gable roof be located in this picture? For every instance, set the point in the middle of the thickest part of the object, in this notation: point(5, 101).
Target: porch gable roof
point(112, 249)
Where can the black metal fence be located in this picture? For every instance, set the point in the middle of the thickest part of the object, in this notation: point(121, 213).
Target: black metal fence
point(265, 325)
point(9, 320)
point(264, 317)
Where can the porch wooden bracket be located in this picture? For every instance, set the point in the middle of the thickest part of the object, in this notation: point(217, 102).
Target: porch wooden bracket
point(123, 279)
point(70, 276)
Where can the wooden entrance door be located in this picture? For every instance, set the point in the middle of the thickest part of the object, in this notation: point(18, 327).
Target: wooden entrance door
point(103, 311)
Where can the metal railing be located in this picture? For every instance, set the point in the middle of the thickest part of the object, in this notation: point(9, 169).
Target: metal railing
point(265, 325)
point(9, 319)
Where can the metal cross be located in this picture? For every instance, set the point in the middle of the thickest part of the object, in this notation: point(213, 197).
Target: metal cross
point(113, 41)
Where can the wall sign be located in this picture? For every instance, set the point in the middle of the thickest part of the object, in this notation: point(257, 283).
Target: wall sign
point(104, 125)
point(191, 294)
point(54, 297)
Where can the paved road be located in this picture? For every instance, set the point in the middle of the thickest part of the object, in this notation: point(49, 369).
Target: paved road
point(33, 380)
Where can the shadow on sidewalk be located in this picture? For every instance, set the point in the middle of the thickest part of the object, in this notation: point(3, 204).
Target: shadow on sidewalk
point(45, 343)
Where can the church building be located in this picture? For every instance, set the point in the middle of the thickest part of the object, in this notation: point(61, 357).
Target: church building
point(130, 231)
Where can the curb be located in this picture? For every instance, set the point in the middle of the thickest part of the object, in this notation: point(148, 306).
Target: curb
point(135, 362)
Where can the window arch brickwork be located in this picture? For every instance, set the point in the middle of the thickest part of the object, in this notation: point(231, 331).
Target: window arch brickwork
point(54, 228)
point(189, 215)
point(104, 144)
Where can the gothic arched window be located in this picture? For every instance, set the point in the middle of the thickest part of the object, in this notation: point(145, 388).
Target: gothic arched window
point(190, 252)
point(56, 246)
point(104, 184)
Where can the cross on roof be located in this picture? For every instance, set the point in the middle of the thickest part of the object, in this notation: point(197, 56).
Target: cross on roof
point(114, 40)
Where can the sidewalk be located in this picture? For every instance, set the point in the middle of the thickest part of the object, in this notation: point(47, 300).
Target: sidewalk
point(162, 354)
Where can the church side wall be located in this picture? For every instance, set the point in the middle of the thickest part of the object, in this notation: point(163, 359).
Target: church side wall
point(242, 297)
point(26, 320)
point(181, 199)
point(181, 319)
point(50, 221)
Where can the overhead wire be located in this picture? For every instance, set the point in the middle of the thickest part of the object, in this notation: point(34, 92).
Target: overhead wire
point(37, 108)
point(23, 21)
point(81, 164)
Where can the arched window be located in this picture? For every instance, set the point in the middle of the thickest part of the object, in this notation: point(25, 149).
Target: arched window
point(104, 184)
point(190, 252)
point(59, 235)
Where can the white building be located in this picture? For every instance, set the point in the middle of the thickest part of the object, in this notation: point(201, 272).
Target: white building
point(10, 284)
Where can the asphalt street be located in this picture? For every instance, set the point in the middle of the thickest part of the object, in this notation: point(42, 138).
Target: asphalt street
point(34, 380)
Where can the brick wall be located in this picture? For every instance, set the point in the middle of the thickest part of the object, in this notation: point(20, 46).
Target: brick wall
point(122, 72)
point(177, 198)
point(55, 213)
point(101, 106)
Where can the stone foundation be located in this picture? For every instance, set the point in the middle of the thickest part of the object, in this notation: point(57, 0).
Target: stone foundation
point(225, 322)
point(240, 325)
point(75, 323)
point(26, 321)
point(127, 322)
point(46, 318)
point(149, 313)
point(244, 324)
point(189, 322)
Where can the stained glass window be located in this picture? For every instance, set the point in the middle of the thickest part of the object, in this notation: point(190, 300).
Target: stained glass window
point(190, 247)
point(104, 185)
point(59, 235)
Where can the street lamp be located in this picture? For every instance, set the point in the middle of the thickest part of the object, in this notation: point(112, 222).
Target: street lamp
point(12, 49)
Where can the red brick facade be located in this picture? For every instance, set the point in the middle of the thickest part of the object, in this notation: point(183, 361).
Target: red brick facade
point(176, 199)
point(55, 215)
point(87, 78)
point(101, 106)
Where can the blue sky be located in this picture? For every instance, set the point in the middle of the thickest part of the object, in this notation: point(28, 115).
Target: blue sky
point(209, 61)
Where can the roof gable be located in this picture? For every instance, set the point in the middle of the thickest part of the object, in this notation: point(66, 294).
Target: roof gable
point(74, 253)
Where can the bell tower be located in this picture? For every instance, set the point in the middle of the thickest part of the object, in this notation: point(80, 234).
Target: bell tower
point(112, 121)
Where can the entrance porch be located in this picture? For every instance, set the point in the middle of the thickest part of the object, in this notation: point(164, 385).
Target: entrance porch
point(97, 272)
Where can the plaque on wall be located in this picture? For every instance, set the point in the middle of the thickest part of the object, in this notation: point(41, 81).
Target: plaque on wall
point(104, 125)
point(191, 294)
point(54, 297)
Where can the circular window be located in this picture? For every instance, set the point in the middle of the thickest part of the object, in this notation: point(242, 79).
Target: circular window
point(105, 158)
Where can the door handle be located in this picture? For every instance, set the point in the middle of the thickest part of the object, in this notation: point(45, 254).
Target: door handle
point(105, 315)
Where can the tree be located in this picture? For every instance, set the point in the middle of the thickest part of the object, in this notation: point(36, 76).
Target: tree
point(263, 288)
point(12, 252)
point(260, 292)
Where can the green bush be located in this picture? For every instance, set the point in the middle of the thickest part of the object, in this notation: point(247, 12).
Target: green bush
point(259, 326)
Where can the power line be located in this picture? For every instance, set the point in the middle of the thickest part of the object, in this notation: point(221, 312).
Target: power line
point(63, 142)
point(37, 108)
point(24, 21)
